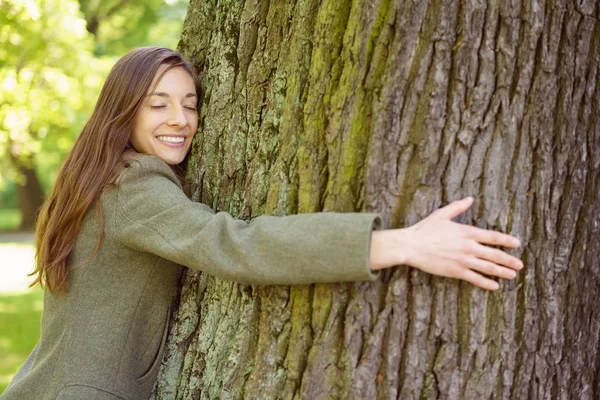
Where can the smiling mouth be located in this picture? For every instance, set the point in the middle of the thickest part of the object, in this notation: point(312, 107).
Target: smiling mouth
point(171, 139)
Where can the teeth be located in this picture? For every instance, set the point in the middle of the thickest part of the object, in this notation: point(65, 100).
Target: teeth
point(171, 139)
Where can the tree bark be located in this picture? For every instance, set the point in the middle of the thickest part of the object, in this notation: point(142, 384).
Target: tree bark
point(398, 107)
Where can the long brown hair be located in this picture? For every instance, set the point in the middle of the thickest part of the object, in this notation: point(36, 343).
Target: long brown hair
point(98, 152)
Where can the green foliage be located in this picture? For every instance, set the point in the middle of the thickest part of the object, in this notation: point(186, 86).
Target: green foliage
point(54, 56)
point(10, 219)
point(48, 78)
point(120, 25)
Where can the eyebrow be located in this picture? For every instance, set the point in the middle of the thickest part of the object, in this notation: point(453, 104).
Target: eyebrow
point(163, 94)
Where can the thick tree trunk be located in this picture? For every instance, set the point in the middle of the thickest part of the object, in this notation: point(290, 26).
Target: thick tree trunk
point(399, 107)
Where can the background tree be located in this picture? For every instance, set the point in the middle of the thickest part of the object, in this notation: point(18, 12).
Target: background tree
point(399, 107)
point(43, 89)
point(54, 56)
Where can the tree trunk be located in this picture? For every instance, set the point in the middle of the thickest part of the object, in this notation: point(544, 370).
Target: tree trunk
point(399, 107)
point(31, 195)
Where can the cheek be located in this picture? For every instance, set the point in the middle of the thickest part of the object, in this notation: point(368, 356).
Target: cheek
point(193, 125)
point(141, 130)
point(193, 122)
point(146, 125)
point(191, 138)
point(134, 135)
point(136, 141)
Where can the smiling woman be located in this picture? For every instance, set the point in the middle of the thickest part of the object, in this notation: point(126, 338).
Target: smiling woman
point(165, 124)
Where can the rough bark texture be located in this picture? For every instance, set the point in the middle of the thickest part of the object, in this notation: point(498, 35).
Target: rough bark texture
point(399, 107)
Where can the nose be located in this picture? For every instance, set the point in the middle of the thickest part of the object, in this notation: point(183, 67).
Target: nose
point(176, 117)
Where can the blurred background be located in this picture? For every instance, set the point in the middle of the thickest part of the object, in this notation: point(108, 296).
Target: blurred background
point(54, 57)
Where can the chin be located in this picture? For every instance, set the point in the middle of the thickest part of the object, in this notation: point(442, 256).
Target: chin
point(174, 162)
point(171, 160)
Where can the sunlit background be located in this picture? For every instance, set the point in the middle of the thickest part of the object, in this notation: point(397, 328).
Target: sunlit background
point(54, 56)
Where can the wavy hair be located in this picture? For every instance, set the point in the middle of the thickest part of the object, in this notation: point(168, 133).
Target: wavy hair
point(97, 155)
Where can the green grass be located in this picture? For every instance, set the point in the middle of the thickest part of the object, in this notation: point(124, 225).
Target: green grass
point(20, 308)
point(20, 315)
point(10, 219)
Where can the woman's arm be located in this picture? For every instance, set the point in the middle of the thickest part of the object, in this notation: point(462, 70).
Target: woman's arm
point(152, 215)
point(439, 246)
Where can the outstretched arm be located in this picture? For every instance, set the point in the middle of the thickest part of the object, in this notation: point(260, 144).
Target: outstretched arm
point(439, 246)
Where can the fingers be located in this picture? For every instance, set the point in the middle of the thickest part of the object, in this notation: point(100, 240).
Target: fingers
point(478, 280)
point(491, 237)
point(458, 207)
point(497, 256)
point(454, 209)
point(491, 269)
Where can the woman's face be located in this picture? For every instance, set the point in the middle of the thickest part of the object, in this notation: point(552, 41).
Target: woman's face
point(167, 120)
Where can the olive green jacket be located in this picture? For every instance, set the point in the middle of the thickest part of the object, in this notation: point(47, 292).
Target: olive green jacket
point(105, 338)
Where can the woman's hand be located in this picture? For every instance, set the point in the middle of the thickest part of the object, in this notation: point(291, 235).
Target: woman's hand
point(439, 246)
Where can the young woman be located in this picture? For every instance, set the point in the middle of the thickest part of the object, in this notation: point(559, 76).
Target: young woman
point(112, 236)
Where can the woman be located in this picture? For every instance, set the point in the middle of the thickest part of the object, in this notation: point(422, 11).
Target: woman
point(114, 231)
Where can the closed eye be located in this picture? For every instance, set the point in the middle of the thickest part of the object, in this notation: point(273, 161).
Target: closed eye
point(157, 107)
point(190, 108)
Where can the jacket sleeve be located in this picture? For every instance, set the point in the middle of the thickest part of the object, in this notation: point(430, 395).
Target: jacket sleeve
point(154, 215)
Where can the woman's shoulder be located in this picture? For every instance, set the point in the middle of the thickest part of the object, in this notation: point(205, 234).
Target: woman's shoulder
point(142, 166)
point(144, 161)
point(145, 186)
